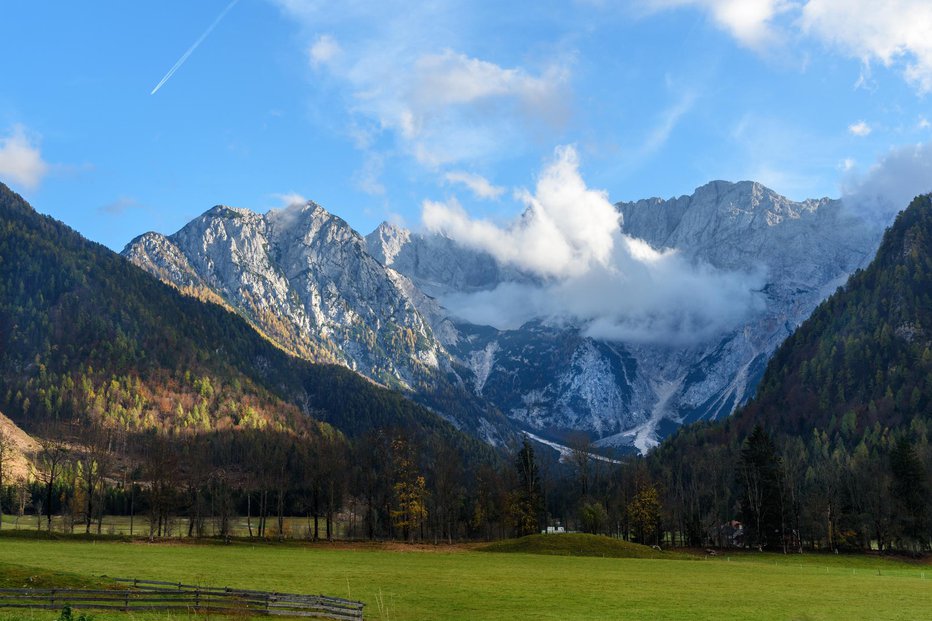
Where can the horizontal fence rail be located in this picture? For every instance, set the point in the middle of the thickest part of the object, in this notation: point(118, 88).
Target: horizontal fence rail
point(151, 595)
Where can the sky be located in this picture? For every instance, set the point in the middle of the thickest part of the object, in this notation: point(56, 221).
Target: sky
point(124, 117)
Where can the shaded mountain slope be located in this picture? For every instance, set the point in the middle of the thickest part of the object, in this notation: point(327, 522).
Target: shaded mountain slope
point(86, 335)
point(864, 357)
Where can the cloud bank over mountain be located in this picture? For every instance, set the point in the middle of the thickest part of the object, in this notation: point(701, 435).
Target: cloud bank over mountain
point(891, 183)
point(583, 269)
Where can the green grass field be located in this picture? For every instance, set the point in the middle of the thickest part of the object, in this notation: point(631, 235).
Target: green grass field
point(408, 583)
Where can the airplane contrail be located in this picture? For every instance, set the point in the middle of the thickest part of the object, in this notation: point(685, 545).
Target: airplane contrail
point(191, 49)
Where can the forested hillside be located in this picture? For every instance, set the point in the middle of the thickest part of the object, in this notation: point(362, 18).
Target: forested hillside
point(85, 334)
point(95, 353)
point(834, 449)
point(864, 358)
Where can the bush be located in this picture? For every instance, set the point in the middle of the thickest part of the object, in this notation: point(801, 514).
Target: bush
point(67, 615)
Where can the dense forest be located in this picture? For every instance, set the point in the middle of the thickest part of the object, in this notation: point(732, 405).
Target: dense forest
point(834, 450)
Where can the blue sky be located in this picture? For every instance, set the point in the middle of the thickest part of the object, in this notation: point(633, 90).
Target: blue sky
point(375, 109)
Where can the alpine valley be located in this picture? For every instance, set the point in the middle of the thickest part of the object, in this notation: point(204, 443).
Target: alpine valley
point(385, 305)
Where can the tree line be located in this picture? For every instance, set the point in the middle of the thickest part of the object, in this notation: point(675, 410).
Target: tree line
point(699, 489)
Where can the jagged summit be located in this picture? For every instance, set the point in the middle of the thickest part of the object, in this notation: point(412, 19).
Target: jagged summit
point(715, 210)
point(298, 213)
point(387, 241)
point(304, 277)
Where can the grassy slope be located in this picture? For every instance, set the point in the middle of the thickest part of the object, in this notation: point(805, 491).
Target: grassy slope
point(578, 544)
point(472, 585)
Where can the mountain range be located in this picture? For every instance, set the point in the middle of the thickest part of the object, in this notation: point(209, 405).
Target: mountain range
point(388, 306)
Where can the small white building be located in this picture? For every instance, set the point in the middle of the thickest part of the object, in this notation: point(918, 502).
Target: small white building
point(553, 530)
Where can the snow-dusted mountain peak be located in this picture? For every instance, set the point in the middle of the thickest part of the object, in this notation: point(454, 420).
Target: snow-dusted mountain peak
point(386, 305)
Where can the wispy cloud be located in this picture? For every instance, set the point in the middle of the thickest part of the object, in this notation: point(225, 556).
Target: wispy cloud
point(477, 184)
point(323, 51)
point(894, 33)
point(368, 178)
point(20, 158)
point(448, 107)
point(409, 81)
point(289, 198)
point(888, 186)
point(194, 46)
point(669, 119)
point(780, 155)
point(120, 206)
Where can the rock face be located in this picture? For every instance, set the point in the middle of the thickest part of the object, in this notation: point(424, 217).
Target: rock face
point(383, 306)
point(304, 277)
point(806, 250)
point(554, 380)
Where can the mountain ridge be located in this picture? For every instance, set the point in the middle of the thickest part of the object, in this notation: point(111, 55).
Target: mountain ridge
point(552, 379)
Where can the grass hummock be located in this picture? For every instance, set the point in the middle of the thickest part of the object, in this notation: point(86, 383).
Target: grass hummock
point(579, 544)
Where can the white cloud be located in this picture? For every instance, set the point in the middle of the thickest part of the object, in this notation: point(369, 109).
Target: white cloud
point(889, 185)
point(893, 32)
point(323, 51)
point(289, 198)
point(402, 70)
point(20, 159)
point(923, 123)
point(565, 228)
point(751, 22)
point(860, 129)
point(477, 184)
point(614, 286)
point(448, 107)
point(450, 78)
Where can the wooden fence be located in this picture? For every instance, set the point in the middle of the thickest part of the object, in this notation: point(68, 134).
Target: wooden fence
point(150, 595)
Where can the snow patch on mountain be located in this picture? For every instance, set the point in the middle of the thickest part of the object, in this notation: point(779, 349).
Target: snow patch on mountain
point(480, 363)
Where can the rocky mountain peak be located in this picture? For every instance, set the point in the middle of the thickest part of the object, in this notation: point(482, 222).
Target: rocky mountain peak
point(226, 211)
point(387, 241)
point(310, 225)
point(305, 277)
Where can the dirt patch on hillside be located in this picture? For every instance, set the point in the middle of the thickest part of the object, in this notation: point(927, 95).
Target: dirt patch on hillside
point(23, 446)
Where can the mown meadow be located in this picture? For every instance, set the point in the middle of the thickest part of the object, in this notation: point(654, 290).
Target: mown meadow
point(465, 582)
